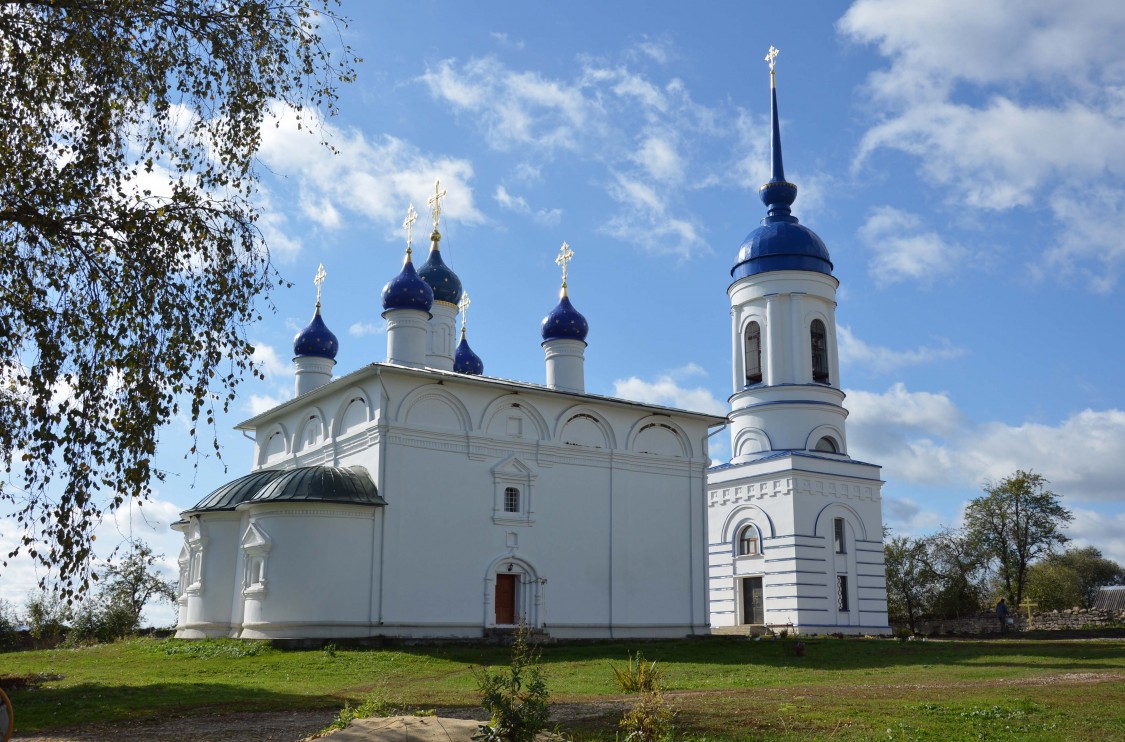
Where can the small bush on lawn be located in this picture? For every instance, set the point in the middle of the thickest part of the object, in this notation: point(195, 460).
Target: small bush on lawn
point(650, 719)
point(515, 697)
point(639, 676)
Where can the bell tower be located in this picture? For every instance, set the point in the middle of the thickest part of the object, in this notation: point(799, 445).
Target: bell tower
point(785, 369)
point(794, 523)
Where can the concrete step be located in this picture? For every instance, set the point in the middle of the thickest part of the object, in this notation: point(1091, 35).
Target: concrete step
point(746, 629)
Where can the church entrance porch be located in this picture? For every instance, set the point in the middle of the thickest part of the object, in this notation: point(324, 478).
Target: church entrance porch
point(752, 612)
point(506, 587)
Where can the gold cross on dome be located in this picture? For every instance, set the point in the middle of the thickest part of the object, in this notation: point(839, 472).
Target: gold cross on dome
point(318, 280)
point(408, 225)
point(463, 305)
point(771, 55)
point(435, 201)
point(565, 256)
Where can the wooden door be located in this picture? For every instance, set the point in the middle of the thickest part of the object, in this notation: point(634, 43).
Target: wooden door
point(752, 600)
point(505, 600)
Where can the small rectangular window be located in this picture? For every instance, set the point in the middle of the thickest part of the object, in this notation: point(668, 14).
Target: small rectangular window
point(842, 592)
point(511, 500)
point(839, 535)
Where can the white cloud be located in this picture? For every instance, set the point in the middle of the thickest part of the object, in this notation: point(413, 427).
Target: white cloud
point(519, 205)
point(147, 521)
point(269, 362)
point(506, 200)
point(902, 250)
point(649, 135)
point(906, 517)
point(644, 220)
point(1105, 531)
point(1009, 104)
point(857, 353)
point(376, 179)
point(658, 156)
point(364, 329)
point(503, 40)
point(658, 51)
point(666, 390)
point(260, 403)
point(1090, 247)
point(515, 108)
point(923, 438)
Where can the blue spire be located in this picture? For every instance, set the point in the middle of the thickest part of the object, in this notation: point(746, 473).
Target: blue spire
point(779, 194)
point(780, 243)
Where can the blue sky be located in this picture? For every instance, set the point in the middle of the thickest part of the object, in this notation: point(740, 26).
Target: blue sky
point(963, 161)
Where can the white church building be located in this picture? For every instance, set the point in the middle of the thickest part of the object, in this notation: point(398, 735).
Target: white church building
point(418, 497)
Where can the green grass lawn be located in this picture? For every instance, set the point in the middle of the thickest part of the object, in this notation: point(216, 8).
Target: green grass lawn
point(724, 688)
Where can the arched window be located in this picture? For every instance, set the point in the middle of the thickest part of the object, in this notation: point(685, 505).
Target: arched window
point(827, 445)
point(511, 500)
point(748, 542)
point(819, 352)
point(753, 348)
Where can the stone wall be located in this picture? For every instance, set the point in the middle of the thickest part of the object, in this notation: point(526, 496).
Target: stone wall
point(1074, 619)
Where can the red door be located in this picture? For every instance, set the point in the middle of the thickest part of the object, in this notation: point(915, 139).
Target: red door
point(505, 600)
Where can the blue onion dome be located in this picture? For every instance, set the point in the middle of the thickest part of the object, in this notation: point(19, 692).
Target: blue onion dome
point(466, 361)
point(316, 339)
point(565, 322)
point(440, 277)
point(781, 243)
point(407, 290)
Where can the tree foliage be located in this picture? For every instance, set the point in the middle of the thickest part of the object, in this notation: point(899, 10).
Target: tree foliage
point(130, 258)
point(959, 565)
point(134, 582)
point(910, 582)
point(942, 575)
point(1017, 521)
point(1072, 578)
point(516, 696)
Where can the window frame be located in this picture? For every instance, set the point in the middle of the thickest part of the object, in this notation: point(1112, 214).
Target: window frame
point(512, 500)
point(839, 535)
point(818, 337)
point(746, 535)
point(753, 331)
point(513, 473)
point(842, 594)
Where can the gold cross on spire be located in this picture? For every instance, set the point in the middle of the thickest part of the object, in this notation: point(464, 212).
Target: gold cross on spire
point(463, 305)
point(771, 55)
point(435, 201)
point(408, 225)
point(565, 256)
point(318, 280)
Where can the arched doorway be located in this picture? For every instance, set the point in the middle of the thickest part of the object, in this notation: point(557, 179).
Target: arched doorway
point(513, 594)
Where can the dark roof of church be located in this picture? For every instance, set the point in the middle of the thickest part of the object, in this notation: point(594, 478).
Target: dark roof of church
point(352, 485)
